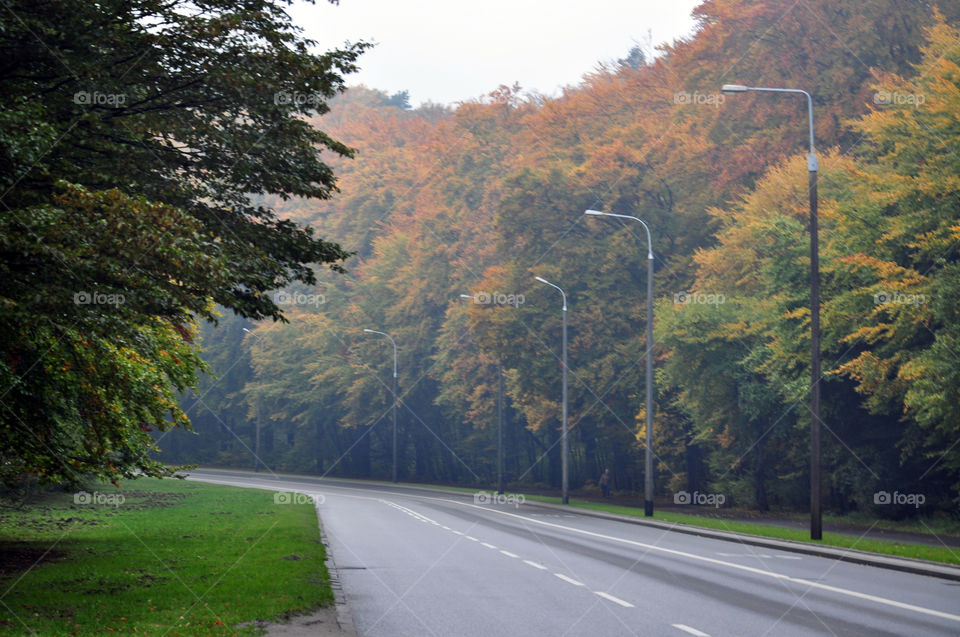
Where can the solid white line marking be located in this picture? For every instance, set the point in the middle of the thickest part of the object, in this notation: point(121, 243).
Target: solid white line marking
point(692, 631)
point(489, 546)
point(568, 579)
point(509, 554)
point(535, 565)
point(615, 600)
point(762, 556)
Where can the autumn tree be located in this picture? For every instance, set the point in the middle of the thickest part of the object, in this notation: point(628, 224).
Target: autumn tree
point(133, 137)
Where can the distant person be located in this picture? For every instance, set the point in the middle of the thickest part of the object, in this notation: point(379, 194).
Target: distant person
point(605, 483)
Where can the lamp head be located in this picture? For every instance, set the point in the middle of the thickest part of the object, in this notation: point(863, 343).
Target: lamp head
point(734, 88)
point(593, 212)
point(542, 280)
point(367, 330)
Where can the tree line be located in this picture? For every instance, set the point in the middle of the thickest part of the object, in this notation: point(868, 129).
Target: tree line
point(479, 198)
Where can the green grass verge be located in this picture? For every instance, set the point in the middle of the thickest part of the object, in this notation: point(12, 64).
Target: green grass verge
point(886, 547)
point(174, 558)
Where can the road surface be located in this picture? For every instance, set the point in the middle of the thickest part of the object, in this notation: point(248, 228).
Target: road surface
point(418, 562)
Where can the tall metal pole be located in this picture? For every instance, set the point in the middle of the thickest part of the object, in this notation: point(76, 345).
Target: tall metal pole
point(816, 518)
point(256, 436)
point(648, 452)
point(394, 343)
point(256, 439)
point(394, 414)
point(499, 426)
point(816, 527)
point(564, 446)
point(648, 456)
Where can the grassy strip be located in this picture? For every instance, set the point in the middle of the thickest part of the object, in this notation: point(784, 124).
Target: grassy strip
point(173, 558)
point(885, 547)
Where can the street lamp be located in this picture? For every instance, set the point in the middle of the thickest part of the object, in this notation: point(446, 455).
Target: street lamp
point(648, 453)
point(499, 414)
point(394, 397)
point(816, 528)
point(256, 443)
point(564, 445)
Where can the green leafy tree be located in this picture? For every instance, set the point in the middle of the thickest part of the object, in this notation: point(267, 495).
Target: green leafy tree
point(132, 141)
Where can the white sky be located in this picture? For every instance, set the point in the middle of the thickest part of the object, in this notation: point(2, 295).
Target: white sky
point(451, 50)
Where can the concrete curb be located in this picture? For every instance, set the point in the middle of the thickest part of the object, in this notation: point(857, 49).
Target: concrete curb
point(344, 616)
point(903, 564)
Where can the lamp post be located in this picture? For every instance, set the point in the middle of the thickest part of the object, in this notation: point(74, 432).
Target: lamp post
point(816, 529)
point(648, 452)
point(256, 439)
point(394, 397)
point(564, 445)
point(499, 415)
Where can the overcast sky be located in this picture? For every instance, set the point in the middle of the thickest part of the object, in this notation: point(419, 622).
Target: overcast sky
point(451, 50)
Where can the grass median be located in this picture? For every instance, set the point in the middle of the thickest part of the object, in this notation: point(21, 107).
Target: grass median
point(158, 558)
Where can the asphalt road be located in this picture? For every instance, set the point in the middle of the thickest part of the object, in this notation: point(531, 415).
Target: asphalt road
point(417, 562)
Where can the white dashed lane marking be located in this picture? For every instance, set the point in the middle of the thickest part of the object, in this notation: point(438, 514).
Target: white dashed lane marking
point(541, 567)
point(615, 600)
point(569, 580)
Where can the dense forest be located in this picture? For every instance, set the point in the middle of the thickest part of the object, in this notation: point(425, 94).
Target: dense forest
point(480, 198)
